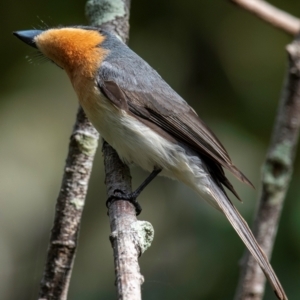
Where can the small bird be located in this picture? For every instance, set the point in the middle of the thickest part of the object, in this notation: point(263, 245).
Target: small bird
point(145, 120)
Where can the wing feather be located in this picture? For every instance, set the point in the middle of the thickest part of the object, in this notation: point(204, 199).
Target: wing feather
point(153, 99)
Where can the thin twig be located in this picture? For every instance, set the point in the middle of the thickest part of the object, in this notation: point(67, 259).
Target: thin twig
point(129, 237)
point(271, 14)
point(69, 207)
point(276, 175)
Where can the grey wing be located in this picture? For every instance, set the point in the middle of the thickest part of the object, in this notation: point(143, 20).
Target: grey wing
point(146, 95)
point(156, 94)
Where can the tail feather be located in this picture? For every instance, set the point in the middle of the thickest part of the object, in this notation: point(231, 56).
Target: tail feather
point(239, 175)
point(243, 230)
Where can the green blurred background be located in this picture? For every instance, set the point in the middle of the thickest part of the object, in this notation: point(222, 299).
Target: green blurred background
point(228, 65)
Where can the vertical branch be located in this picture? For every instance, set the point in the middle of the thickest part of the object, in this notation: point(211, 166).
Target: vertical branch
point(69, 207)
point(129, 237)
point(276, 175)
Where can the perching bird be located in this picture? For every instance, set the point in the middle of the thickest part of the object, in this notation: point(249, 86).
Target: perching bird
point(145, 120)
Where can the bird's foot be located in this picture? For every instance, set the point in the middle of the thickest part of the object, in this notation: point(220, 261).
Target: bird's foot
point(120, 195)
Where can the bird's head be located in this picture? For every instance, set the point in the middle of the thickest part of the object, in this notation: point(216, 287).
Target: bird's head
point(75, 49)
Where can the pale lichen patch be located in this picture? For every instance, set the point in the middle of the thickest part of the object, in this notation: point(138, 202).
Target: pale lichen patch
point(145, 234)
point(78, 203)
point(102, 11)
point(276, 171)
point(87, 144)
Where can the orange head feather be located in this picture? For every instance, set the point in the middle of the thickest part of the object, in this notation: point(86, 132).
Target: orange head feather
point(74, 49)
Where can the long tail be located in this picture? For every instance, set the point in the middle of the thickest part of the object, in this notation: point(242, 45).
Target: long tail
point(243, 230)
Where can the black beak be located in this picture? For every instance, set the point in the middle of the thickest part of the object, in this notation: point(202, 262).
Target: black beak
point(27, 36)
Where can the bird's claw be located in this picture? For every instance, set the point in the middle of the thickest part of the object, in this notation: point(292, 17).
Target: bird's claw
point(120, 195)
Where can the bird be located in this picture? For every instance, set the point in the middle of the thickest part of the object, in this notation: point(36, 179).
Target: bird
point(146, 121)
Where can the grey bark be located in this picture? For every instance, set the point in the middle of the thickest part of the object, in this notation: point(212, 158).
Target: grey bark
point(69, 207)
point(129, 237)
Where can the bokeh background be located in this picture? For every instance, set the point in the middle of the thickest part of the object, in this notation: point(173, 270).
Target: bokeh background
point(228, 65)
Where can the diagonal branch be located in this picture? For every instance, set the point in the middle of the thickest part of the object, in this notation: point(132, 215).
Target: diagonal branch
point(276, 175)
point(271, 14)
point(68, 212)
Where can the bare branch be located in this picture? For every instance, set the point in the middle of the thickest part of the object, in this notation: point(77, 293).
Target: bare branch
point(276, 175)
point(69, 207)
point(271, 14)
point(129, 237)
